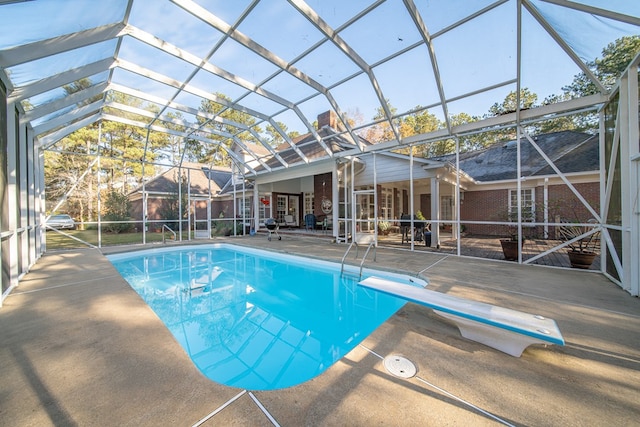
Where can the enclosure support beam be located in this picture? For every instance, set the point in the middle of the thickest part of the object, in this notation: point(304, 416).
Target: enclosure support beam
point(629, 154)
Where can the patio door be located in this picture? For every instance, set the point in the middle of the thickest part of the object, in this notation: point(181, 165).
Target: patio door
point(364, 217)
point(201, 223)
point(281, 208)
point(288, 205)
point(294, 208)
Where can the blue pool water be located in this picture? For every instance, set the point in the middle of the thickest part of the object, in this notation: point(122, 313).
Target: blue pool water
point(254, 319)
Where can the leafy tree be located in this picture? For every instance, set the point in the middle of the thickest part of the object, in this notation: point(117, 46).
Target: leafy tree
point(122, 148)
point(123, 145)
point(417, 123)
point(213, 153)
point(616, 57)
point(382, 131)
point(579, 122)
point(472, 142)
point(170, 209)
point(177, 148)
point(64, 171)
point(79, 85)
point(117, 208)
point(275, 138)
point(422, 121)
point(528, 100)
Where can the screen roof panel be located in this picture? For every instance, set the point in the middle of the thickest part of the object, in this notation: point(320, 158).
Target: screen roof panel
point(139, 53)
point(439, 15)
point(587, 34)
point(300, 33)
point(167, 21)
point(241, 61)
point(28, 23)
point(33, 71)
point(546, 68)
point(478, 53)
point(383, 31)
point(414, 70)
point(327, 65)
point(289, 87)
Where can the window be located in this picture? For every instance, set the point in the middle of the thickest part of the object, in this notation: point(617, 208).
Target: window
point(446, 207)
point(244, 207)
point(264, 208)
point(527, 196)
point(309, 205)
point(281, 208)
point(386, 204)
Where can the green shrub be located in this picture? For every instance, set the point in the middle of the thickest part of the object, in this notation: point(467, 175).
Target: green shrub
point(117, 208)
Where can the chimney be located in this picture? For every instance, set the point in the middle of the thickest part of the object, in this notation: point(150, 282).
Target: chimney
point(328, 118)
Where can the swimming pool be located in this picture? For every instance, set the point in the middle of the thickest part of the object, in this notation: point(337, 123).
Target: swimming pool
point(254, 319)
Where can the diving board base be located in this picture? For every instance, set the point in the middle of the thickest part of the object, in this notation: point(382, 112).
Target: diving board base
point(506, 341)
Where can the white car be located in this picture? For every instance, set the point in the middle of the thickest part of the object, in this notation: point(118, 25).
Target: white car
point(61, 221)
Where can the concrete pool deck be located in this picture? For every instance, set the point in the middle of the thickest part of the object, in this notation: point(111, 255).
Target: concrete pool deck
point(80, 347)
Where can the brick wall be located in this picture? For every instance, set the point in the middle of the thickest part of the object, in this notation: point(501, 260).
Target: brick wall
point(328, 118)
point(488, 205)
point(319, 190)
point(492, 205)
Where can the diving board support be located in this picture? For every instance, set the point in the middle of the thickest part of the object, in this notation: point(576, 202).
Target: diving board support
point(509, 331)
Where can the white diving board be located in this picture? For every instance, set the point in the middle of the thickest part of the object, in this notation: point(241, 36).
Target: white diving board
point(507, 330)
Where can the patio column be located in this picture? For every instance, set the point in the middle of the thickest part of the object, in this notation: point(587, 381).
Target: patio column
point(435, 211)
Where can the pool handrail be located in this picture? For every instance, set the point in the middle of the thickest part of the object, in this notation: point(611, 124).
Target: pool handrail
point(371, 244)
point(364, 257)
point(165, 226)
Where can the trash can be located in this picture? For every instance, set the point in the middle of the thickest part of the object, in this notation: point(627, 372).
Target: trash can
point(427, 238)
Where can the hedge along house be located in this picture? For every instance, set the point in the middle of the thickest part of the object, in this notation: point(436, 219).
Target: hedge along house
point(84, 66)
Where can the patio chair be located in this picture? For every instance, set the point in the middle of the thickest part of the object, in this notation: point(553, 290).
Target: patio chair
point(288, 221)
point(405, 226)
point(310, 222)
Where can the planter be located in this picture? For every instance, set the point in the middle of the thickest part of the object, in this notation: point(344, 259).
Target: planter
point(510, 249)
point(581, 259)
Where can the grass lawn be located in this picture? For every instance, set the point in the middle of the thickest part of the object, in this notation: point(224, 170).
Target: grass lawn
point(59, 241)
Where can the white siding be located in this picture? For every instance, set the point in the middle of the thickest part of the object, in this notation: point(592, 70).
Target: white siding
point(389, 169)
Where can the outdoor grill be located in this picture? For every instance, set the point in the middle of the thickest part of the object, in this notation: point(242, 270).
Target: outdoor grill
point(272, 228)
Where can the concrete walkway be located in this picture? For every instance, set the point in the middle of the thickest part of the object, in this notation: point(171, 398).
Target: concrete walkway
point(79, 347)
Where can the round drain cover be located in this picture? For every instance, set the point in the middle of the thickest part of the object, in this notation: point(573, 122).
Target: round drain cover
point(399, 366)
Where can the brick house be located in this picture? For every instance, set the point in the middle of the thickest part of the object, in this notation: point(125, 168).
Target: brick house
point(203, 190)
point(488, 185)
point(546, 197)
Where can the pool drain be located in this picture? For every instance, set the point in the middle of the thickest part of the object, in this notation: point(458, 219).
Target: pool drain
point(399, 366)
